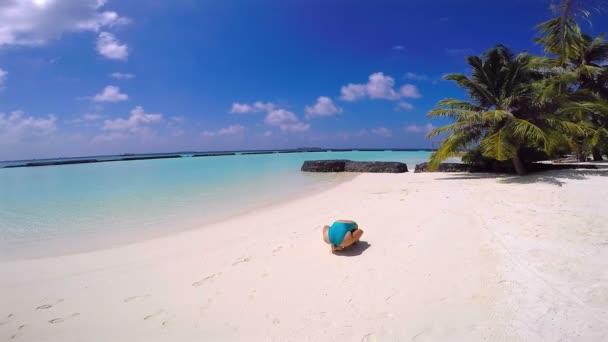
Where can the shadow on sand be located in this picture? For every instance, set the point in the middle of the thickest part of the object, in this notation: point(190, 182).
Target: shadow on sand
point(556, 177)
point(354, 250)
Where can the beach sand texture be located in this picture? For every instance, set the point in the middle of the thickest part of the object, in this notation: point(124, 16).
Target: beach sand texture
point(445, 257)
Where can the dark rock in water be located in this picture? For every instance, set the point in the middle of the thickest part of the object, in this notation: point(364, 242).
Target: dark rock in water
point(324, 165)
point(352, 166)
point(445, 167)
point(375, 167)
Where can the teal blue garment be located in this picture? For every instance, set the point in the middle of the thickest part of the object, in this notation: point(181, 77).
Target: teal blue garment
point(338, 231)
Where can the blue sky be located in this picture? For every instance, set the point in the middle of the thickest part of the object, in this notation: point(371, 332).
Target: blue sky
point(86, 77)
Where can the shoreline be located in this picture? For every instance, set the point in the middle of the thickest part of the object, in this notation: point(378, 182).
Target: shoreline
point(444, 256)
point(11, 164)
point(132, 238)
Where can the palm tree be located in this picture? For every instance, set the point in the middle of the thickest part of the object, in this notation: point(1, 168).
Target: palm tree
point(561, 36)
point(521, 102)
point(575, 77)
point(501, 117)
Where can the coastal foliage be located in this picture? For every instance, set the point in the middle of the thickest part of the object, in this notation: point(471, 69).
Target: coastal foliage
point(522, 106)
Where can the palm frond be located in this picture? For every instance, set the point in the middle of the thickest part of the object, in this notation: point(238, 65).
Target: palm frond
point(526, 131)
point(496, 116)
point(458, 126)
point(454, 113)
point(475, 90)
point(449, 147)
point(600, 134)
point(454, 103)
point(561, 36)
point(569, 128)
point(497, 146)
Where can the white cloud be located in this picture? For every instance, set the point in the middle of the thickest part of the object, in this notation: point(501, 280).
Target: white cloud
point(414, 128)
point(267, 134)
point(122, 76)
point(286, 120)
point(382, 131)
point(263, 106)
point(87, 117)
point(280, 116)
point(379, 86)
point(17, 127)
point(352, 92)
point(31, 23)
point(230, 130)
point(241, 108)
point(416, 77)
point(110, 94)
point(323, 107)
point(398, 47)
point(405, 105)
point(3, 77)
point(109, 47)
point(410, 91)
point(176, 120)
point(91, 117)
point(134, 123)
point(296, 127)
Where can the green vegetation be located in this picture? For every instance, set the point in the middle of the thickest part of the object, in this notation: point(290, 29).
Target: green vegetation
point(523, 108)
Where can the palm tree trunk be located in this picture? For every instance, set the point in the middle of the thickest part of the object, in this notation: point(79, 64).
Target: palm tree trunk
point(597, 153)
point(581, 156)
point(519, 166)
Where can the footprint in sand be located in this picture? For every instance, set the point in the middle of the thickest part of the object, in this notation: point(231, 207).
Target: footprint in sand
point(48, 306)
point(162, 316)
point(418, 334)
point(240, 261)
point(391, 295)
point(18, 333)
point(7, 319)
point(154, 315)
point(207, 278)
point(369, 338)
point(63, 319)
point(128, 299)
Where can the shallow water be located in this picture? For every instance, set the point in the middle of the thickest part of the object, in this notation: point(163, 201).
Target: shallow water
point(58, 210)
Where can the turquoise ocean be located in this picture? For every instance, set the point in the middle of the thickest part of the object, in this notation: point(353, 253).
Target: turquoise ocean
point(57, 210)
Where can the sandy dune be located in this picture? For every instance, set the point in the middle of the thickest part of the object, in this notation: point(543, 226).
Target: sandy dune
point(444, 257)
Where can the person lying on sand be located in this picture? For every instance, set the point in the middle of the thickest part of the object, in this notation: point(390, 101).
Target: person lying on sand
point(341, 234)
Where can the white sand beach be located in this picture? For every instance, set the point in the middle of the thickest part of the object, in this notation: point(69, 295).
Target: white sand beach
point(444, 257)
